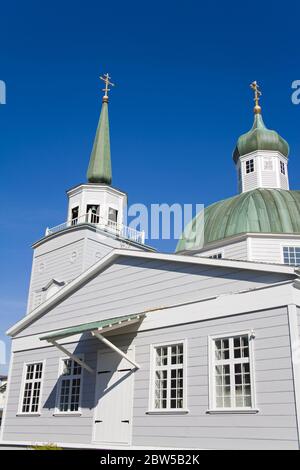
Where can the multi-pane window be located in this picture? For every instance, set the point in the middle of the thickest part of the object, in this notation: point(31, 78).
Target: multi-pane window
point(168, 377)
point(291, 255)
point(32, 388)
point(70, 386)
point(250, 166)
point(282, 168)
point(232, 373)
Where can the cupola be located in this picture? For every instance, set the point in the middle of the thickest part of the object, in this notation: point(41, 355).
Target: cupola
point(261, 154)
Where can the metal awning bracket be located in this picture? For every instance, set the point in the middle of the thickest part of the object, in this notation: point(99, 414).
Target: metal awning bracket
point(71, 356)
point(115, 348)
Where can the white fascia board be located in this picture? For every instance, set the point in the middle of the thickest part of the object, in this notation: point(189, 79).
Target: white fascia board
point(238, 238)
point(113, 255)
point(258, 153)
point(222, 306)
point(93, 187)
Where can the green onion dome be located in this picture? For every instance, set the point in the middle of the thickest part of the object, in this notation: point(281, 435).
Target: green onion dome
point(260, 138)
point(257, 211)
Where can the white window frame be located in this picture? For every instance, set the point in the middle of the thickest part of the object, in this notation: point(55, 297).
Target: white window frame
point(282, 165)
point(58, 412)
point(22, 390)
point(212, 384)
point(151, 407)
point(287, 245)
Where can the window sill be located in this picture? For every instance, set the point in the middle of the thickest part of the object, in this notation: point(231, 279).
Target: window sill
point(236, 411)
point(28, 414)
point(167, 412)
point(68, 414)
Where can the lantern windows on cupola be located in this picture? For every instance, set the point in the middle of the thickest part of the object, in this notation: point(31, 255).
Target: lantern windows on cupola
point(261, 155)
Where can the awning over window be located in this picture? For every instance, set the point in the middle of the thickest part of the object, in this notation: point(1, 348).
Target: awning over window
point(97, 329)
point(103, 325)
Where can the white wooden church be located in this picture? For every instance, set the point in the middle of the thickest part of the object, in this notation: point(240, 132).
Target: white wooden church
point(122, 346)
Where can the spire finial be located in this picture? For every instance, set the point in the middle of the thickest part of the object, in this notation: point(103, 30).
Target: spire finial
point(257, 94)
point(106, 78)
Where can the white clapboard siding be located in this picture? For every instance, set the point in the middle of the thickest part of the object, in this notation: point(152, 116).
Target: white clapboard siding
point(274, 427)
point(134, 285)
point(237, 250)
point(270, 250)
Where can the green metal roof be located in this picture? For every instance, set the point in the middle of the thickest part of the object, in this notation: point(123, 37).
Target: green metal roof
point(99, 170)
point(256, 211)
point(86, 327)
point(260, 138)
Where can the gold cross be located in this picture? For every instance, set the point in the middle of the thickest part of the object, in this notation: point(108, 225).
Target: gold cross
point(257, 95)
point(106, 79)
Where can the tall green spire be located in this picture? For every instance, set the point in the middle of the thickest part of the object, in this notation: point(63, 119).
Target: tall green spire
point(99, 170)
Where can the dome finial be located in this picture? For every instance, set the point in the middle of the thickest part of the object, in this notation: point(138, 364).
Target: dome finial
point(257, 94)
point(106, 78)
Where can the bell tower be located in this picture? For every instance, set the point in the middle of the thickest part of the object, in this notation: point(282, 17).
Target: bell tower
point(97, 201)
point(95, 223)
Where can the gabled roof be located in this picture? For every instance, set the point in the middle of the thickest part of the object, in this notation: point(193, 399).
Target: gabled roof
point(102, 264)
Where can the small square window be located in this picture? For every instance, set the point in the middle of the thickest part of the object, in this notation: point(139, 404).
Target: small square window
point(250, 166)
point(291, 255)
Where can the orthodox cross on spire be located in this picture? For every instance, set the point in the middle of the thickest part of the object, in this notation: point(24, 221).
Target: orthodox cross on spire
point(106, 78)
point(257, 94)
point(99, 170)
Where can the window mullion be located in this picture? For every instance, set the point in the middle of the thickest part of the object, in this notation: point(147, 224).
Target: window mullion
point(32, 389)
point(169, 377)
point(232, 377)
point(70, 392)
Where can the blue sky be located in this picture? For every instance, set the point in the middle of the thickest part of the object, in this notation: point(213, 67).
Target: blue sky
point(182, 98)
